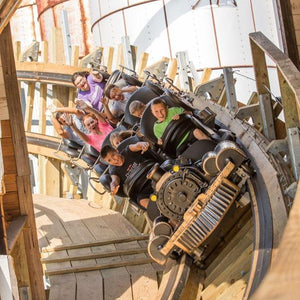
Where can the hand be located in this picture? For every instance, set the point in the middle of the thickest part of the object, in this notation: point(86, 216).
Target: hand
point(176, 117)
point(159, 142)
point(80, 103)
point(68, 118)
point(52, 108)
point(114, 189)
point(104, 101)
point(144, 147)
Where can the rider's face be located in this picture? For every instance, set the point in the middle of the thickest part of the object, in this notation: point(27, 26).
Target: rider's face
point(114, 158)
point(159, 111)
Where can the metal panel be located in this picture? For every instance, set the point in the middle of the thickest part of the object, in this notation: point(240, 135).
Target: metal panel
point(148, 31)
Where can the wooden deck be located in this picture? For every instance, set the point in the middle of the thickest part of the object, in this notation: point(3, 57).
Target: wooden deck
point(64, 222)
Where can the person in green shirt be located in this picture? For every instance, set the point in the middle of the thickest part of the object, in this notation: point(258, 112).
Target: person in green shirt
point(165, 115)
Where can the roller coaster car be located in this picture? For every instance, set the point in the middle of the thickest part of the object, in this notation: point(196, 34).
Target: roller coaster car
point(121, 79)
point(196, 201)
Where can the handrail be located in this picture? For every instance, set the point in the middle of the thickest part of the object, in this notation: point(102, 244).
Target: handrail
point(282, 280)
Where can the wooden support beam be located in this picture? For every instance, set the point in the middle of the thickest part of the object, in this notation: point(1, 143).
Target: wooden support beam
point(94, 255)
point(172, 69)
point(142, 63)
point(289, 101)
point(104, 266)
point(109, 59)
point(17, 50)
point(24, 194)
point(29, 106)
point(42, 108)
point(101, 243)
point(57, 47)
point(14, 230)
point(263, 89)
point(205, 75)
point(120, 57)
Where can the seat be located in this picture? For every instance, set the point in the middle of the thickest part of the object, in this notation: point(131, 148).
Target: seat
point(143, 94)
point(90, 155)
point(147, 121)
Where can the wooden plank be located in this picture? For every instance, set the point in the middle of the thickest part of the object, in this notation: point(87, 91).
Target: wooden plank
point(172, 69)
point(99, 267)
point(260, 69)
point(117, 282)
point(143, 277)
point(17, 50)
point(29, 106)
point(88, 284)
point(94, 244)
point(96, 255)
point(10, 182)
point(19, 258)
point(75, 56)
point(50, 227)
point(109, 59)
point(120, 57)
point(14, 230)
point(142, 63)
point(57, 47)
point(42, 108)
point(205, 75)
point(289, 103)
point(194, 284)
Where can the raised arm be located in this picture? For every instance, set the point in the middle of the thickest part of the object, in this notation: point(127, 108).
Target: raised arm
point(115, 184)
point(59, 128)
point(108, 112)
point(70, 122)
point(88, 109)
point(69, 110)
point(129, 89)
point(139, 146)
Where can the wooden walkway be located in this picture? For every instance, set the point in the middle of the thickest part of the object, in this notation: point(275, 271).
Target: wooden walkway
point(65, 227)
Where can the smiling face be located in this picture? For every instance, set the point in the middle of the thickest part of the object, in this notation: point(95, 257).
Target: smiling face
point(114, 158)
point(116, 141)
point(159, 111)
point(116, 93)
point(81, 83)
point(90, 123)
point(62, 120)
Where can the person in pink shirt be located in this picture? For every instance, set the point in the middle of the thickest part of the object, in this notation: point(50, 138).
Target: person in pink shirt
point(96, 123)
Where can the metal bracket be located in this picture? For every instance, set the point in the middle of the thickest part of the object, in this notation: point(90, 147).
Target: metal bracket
point(230, 90)
point(212, 88)
point(183, 68)
point(32, 52)
point(66, 36)
point(158, 69)
point(267, 116)
point(127, 53)
point(277, 146)
point(74, 173)
point(293, 138)
point(92, 60)
point(252, 111)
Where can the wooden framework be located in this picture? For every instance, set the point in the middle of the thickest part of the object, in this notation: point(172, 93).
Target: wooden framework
point(282, 281)
point(17, 223)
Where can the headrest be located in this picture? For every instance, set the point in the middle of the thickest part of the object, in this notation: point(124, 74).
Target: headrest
point(106, 141)
point(143, 94)
point(148, 120)
point(131, 140)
